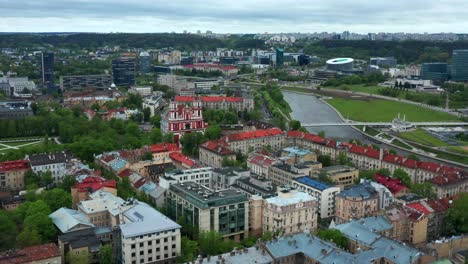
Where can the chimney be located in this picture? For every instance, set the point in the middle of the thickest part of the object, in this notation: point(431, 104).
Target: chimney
point(381, 154)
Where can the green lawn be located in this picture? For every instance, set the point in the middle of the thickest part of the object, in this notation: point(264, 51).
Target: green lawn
point(458, 149)
point(386, 111)
point(422, 137)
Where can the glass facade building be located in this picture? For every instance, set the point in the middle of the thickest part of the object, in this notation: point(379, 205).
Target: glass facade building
point(123, 71)
point(460, 65)
point(434, 71)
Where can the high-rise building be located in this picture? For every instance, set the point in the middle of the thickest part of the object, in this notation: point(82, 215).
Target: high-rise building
point(279, 57)
point(123, 71)
point(47, 68)
point(79, 82)
point(460, 65)
point(145, 62)
point(389, 62)
point(436, 71)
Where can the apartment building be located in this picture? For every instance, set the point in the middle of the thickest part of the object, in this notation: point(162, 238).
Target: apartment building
point(12, 175)
point(146, 236)
point(291, 211)
point(357, 202)
point(284, 174)
point(213, 153)
point(409, 225)
point(79, 82)
point(102, 209)
point(342, 175)
point(449, 185)
point(202, 176)
point(323, 193)
point(225, 177)
point(44, 253)
point(84, 188)
point(259, 163)
point(53, 162)
point(220, 102)
point(224, 211)
point(297, 155)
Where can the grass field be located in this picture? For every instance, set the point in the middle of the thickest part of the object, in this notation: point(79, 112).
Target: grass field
point(27, 143)
point(422, 137)
point(459, 149)
point(386, 111)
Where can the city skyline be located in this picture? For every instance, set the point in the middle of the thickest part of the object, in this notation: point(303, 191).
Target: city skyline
point(239, 17)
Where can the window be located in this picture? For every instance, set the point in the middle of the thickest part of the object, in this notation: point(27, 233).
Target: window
point(133, 246)
point(165, 247)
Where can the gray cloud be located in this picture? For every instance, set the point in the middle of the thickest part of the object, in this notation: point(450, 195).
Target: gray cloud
point(234, 16)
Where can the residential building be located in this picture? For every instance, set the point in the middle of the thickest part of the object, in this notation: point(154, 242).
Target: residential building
point(182, 162)
point(409, 225)
point(47, 69)
point(69, 220)
point(15, 109)
point(161, 151)
point(155, 103)
point(11, 202)
point(357, 202)
point(123, 71)
point(342, 175)
point(395, 186)
point(246, 255)
point(291, 211)
point(384, 194)
point(146, 236)
point(14, 86)
point(450, 184)
point(84, 188)
point(223, 178)
point(213, 153)
point(246, 142)
point(284, 174)
point(141, 90)
point(145, 62)
point(53, 162)
point(220, 102)
point(80, 82)
point(305, 248)
point(84, 242)
point(202, 176)
point(255, 185)
point(322, 192)
point(259, 163)
point(179, 119)
point(225, 211)
point(44, 253)
point(226, 70)
point(297, 155)
point(460, 65)
point(12, 175)
point(102, 209)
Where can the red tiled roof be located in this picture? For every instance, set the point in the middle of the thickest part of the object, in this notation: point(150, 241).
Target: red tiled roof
point(429, 166)
point(181, 158)
point(253, 134)
point(14, 165)
point(125, 173)
point(261, 160)
point(92, 184)
point(410, 163)
point(360, 150)
point(421, 207)
point(447, 179)
point(179, 98)
point(164, 147)
point(372, 153)
point(30, 254)
point(394, 185)
point(295, 134)
point(108, 158)
point(442, 205)
point(218, 146)
point(139, 183)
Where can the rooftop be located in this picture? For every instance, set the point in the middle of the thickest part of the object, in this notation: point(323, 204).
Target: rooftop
point(312, 183)
point(295, 151)
point(101, 201)
point(394, 185)
point(81, 238)
point(142, 219)
point(363, 190)
point(285, 198)
point(246, 255)
point(68, 220)
point(14, 165)
point(50, 158)
point(30, 254)
point(93, 183)
point(204, 197)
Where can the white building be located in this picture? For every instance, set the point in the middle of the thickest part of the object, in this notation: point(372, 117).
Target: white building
point(154, 103)
point(17, 85)
point(141, 90)
point(147, 236)
point(325, 194)
point(385, 196)
point(202, 176)
point(53, 162)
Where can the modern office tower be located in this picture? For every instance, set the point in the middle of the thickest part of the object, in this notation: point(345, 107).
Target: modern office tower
point(47, 68)
point(279, 57)
point(79, 82)
point(434, 71)
point(145, 62)
point(123, 71)
point(460, 65)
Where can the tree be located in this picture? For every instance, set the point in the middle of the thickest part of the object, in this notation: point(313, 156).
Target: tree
point(105, 254)
point(82, 257)
point(189, 250)
point(413, 157)
point(28, 237)
point(334, 236)
point(344, 160)
point(402, 176)
point(457, 216)
point(367, 174)
point(323, 177)
point(146, 114)
point(424, 189)
point(156, 136)
point(321, 133)
point(156, 121)
point(43, 224)
point(213, 132)
point(46, 178)
point(190, 143)
point(384, 171)
point(30, 177)
point(168, 138)
point(67, 182)
point(57, 198)
point(8, 231)
point(125, 189)
point(325, 160)
point(147, 156)
point(294, 125)
point(210, 243)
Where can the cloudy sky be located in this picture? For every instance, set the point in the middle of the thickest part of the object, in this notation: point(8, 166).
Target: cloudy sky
point(234, 16)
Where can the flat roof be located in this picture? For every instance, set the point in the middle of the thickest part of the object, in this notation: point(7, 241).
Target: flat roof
point(293, 198)
point(313, 183)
